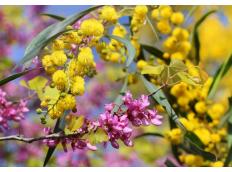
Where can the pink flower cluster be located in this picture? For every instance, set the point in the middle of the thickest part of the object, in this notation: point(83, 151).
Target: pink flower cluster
point(10, 111)
point(75, 142)
point(116, 124)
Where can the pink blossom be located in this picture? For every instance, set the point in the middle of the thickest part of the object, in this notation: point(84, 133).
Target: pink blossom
point(10, 111)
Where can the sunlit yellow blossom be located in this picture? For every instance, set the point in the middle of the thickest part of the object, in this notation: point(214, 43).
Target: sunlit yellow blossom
point(60, 79)
point(109, 14)
point(58, 45)
point(59, 58)
point(175, 136)
point(217, 164)
point(47, 61)
point(204, 135)
point(68, 102)
point(164, 27)
point(141, 64)
point(78, 86)
point(177, 18)
point(200, 107)
point(216, 111)
point(92, 27)
point(85, 56)
point(165, 11)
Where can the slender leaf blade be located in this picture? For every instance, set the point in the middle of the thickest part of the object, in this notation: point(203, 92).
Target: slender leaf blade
point(223, 69)
point(14, 76)
point(196, 39)
point(162, 100)
point(53, 16)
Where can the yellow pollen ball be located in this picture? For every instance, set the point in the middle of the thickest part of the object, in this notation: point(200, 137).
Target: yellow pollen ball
point(200, 107)
point(141, 64)
point(166, 12)
point(164, 27)
point(92, 27)
point(60, 79)
point(177, 18)
point(141, 10)
point(85, 57)
point(59, 58)
point(78, 86)
point(109, 14)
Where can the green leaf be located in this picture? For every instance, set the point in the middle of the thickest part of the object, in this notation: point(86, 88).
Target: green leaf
point(154, 51)
point(223, 69)
point(228, 158)
point(153, 70)
point(194, 138)
point(52, 93)
point(52, 149)
point(14, 76)
point(185, 77)
point(130, 48)
point(37, 83)
point(76, 123)
point(118, 101)
point(162, 100)
point(149, 134)
point(195, 149)
point(50, 33)
point(169, 163)
point(177, 66)
point(196, 40)
point(53, 16)
point(98, 137)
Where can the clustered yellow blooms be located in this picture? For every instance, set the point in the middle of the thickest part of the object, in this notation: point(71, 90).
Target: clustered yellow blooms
point(68, 67)
point(177, 44)
point(193, 101)
point(109, 14)
point(139, 17)
point(113, 51)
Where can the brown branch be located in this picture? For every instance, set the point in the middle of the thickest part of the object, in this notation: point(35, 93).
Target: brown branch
point(30, 140)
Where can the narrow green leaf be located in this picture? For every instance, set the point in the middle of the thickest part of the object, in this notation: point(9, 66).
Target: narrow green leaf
point(14, 76)
point(195, 149)
point(223, 69)
point(130, 48)
point(153, 70)
point(52, 149)
point(162, 100)
point(50, 33)
point(59, 126)
point(228, 158)
point(196, 39)
point(154, 51)
point(169, 163)
point(149, 134)
point(53, 16)
point(194, 138)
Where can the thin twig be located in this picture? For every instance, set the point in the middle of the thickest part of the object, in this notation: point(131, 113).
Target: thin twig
point(30, 140)
point(161, 87)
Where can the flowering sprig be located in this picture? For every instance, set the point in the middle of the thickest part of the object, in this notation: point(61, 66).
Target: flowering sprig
point(117, 125)
point(10, 111)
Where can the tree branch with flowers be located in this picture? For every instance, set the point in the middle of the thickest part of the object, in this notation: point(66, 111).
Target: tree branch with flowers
point(65, 53)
